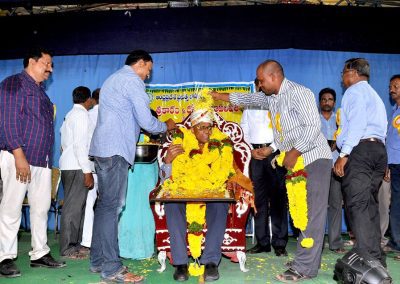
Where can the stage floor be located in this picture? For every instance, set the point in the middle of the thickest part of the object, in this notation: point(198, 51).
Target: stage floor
point(263, 268)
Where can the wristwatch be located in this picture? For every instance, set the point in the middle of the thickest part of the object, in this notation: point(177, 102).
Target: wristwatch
point(343, 155)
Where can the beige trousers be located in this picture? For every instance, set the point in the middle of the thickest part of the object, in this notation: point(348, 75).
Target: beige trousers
point(39, 196)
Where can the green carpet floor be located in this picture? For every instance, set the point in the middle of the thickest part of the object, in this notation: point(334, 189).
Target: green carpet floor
point(263, 268)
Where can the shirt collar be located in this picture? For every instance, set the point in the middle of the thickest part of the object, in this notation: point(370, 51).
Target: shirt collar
point(79, 106)
point(282, 88)
point(30, 79)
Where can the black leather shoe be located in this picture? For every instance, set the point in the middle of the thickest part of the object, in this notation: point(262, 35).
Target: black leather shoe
point(259, 249)
point(339, 251)
point(211, 272)
point(280, 251)
point(181, 273)
point(9, 269)
point(47, 261)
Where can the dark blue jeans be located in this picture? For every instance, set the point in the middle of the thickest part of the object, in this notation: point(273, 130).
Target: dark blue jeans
point(112, 173)
point(395, 205)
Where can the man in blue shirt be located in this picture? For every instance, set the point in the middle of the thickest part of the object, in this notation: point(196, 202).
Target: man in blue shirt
point(327, 100)
point(362, 160)
point(393, 151)
point(123, 111)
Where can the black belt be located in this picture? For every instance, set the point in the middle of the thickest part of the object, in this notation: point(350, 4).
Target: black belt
point(372, 139)
point(331, 142)
point(257, 146)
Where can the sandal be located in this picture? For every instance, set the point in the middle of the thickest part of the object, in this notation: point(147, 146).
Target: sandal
point(291, 275)
point(289, 264)
point(84, 250)
point(397, 257)
point(123, 276)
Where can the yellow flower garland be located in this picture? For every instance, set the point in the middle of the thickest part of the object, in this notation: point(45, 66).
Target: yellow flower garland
point(337, 132)
point(296, 186)
point(199, 174)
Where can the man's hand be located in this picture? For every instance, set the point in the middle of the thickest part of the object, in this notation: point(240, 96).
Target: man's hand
point(173, 151)
point(291, 158)
point(88, 180)
point(387, 175)
point(261, 153)
point(23, 170)
point(339, 166)
point(220, 96)
point(170, 124)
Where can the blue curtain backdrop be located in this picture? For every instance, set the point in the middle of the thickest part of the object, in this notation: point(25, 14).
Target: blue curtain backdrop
point(314, 69)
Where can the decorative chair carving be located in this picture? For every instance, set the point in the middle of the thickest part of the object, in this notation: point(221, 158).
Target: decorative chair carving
point(234, 243)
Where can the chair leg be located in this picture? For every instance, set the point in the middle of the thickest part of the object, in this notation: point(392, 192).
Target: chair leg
point(55, 223)
point(242, 260)
point(162, 256)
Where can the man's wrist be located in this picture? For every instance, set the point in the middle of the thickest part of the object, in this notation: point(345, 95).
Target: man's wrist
point(343, 155)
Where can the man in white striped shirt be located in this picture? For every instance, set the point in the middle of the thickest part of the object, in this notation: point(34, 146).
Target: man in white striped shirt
point(76, 172)
point(297, 131)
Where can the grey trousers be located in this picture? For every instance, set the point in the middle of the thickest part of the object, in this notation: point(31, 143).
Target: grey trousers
point(384, 205)
point(335, 202)
point(307, 260)
point(73, 211)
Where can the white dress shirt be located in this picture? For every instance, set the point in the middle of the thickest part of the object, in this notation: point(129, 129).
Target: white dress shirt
point(76, 133)
point(93, 113)
point(257, 127)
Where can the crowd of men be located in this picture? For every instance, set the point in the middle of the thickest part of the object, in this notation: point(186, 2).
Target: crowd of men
point(344, 155)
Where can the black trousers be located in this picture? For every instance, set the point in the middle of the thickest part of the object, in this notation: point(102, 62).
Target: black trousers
point(270, 200)
point(364, 172)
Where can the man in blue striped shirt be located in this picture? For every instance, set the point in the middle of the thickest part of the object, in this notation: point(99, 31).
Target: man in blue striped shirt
point(297, 131)
point(362, 160)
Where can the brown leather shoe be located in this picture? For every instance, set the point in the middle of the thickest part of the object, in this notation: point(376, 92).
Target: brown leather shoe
point(9, 269)
point(47, 261)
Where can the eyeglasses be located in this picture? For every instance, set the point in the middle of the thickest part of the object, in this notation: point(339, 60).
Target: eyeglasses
point(346, 71)
point(203, 128)
point(45, 63)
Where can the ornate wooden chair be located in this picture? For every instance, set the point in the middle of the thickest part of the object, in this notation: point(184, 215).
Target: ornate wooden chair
point(234, 243)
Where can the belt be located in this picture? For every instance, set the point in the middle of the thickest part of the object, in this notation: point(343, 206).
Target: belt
point(372, 139)
point(331, 142)
point(257, 146)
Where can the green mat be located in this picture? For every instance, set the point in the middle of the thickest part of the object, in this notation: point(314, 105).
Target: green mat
point(263, 268)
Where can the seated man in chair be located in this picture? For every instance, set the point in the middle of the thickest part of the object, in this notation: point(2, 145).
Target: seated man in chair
point(216, 212)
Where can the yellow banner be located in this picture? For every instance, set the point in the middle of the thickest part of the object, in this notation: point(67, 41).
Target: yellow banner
point(176, 100)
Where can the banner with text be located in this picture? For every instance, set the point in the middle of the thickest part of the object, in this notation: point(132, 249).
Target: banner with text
point(176, 100)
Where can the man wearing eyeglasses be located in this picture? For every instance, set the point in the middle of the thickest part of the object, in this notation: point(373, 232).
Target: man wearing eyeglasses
point(362, 160)
point(202, 125)
point(26, 140)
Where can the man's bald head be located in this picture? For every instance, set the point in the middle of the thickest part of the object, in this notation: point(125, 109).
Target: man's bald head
point(271, 66)
point(270, 74)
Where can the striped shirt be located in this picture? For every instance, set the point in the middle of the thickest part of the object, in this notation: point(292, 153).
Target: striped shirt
point(26, 117)
point(295, 119)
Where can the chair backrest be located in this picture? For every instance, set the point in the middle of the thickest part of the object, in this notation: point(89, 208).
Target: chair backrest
point(55, 182)
point(242, 151)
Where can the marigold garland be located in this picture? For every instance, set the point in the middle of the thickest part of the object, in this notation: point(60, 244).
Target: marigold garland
point(337, 132)
point(296, 186)
point(199, 173)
